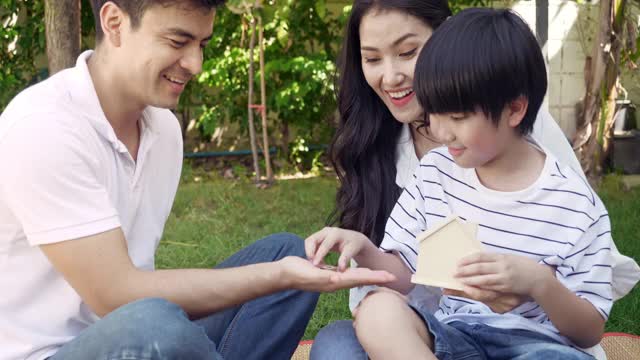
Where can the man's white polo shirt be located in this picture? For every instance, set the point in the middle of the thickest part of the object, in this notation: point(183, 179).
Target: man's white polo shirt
point(64, 175)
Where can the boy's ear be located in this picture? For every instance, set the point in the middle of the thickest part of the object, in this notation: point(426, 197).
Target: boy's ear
point(112, 20)
point(516, 110)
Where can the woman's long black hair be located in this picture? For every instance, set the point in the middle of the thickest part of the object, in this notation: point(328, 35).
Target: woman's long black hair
point(363, 150)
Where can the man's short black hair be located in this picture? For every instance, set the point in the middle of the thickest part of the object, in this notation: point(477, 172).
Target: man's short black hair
point(136, 8)
point(481, 59)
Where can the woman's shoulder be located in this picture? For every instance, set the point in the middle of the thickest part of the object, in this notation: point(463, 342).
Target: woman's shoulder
point(548, 133)
point(406, 159)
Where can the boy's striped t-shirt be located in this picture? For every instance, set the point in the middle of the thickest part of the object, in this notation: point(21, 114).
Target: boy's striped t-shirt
point(558, 221)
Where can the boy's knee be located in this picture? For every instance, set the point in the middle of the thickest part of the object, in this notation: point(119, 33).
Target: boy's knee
point(378, 300)
point(376, 312)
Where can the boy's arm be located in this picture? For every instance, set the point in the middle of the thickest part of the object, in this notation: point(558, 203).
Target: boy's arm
point(574, 317)
point(577, 297)
point(99, 268)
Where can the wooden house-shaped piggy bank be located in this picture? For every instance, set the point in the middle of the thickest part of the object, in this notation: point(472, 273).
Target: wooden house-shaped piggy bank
point(440, 249)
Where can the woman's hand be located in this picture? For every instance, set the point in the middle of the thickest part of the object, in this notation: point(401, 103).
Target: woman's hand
point(348, 243)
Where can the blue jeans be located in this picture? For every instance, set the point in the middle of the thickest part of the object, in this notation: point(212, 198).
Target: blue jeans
point(337, 341)
point(269, 327)
point(451, 342)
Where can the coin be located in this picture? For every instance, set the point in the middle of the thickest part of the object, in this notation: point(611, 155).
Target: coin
point(328, 267)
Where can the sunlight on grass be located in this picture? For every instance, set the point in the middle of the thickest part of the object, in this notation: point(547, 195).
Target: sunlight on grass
point(296, 176)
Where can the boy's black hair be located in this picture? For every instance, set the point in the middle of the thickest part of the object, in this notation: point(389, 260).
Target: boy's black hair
point(481, 59)
point(136, 8)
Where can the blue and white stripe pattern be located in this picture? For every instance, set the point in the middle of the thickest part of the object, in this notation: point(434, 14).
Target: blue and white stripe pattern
point(558, 221)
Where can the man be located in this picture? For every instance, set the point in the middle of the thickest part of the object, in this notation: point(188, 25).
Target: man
point(91, 161)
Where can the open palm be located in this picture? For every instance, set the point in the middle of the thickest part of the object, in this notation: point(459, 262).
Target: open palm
point(312, 278)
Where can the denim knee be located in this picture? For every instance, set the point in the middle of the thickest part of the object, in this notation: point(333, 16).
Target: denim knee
point(337, 341)
point(147, 312)
point(160, 329)
point(288, 244)
point(556, 352)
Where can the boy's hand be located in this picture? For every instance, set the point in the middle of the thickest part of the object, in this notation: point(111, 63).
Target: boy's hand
point(348, 243)
point(498, 302)
point(501, 272)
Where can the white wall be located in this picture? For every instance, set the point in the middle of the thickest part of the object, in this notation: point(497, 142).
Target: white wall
point(572, 28)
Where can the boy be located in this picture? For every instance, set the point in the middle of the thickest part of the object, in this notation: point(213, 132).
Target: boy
point(482, 79)
point(91, 160)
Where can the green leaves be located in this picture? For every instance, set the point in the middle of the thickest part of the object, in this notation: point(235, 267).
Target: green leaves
point(282, 34)
point(301, 39)
point(240, 7)
point(20, 43)
point(321, 9)
point(23, 42)
point(457, 5)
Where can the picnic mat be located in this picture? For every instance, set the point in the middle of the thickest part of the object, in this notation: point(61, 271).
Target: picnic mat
point(303, 350)
point(618, 346)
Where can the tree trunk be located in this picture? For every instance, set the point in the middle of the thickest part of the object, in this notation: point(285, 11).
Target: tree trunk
point(185, 118)
point(284, 141)
point(252, 129)
point(263, 103)
point(601, 75)
point(62, 24)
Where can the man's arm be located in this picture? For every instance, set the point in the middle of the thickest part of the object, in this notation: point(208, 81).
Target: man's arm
point(99, 268)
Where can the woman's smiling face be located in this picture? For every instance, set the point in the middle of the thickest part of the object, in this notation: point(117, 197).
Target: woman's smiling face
point(390, 42)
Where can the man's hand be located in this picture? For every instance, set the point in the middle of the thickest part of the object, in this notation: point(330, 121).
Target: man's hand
point(504, 273)
point(348, 243)
point(302, 274)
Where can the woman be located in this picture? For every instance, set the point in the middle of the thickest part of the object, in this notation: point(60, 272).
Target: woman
point(380, 139)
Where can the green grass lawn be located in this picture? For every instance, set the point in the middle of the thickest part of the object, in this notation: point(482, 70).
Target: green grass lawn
point(212, 218)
